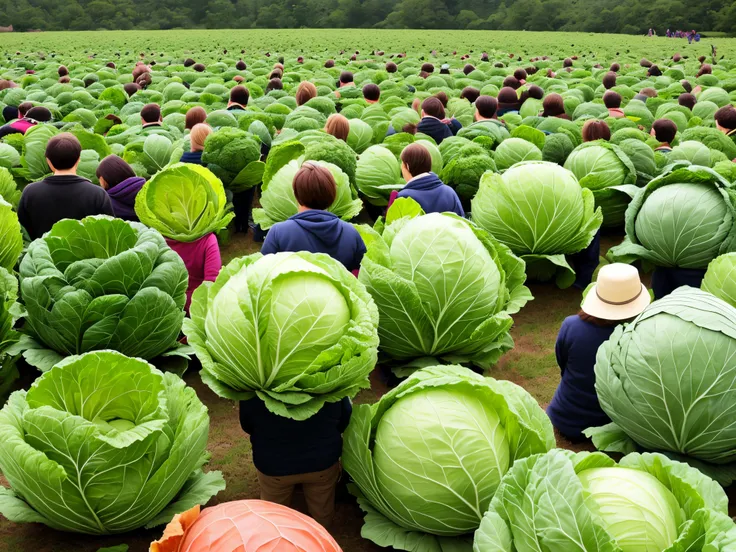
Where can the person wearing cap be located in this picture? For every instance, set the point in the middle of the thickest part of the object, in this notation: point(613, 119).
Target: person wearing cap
point(617, 297)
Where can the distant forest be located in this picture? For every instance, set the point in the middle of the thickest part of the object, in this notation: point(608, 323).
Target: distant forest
point(612, 16)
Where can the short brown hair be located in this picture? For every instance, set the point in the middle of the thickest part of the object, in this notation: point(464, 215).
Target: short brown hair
point(553, 105)
point(520, 74)
point(441, 96)
point(305, 92)
point(726, 117)
point(198, 135)
point(346, 77)
point(433, 107)
point(609, 80)
point(24, 108)
point(664, 130)
point(596, 130)
point(314, 186)
point(612, 99)
point(687, 100)
point(63, 151)
point(151, 113)
point(239, 95)
point(372, 92)
point(512, 82)
point(648, 92)
point(469, 93)
point(194, 116)
point(417, 159)
point(508, 95)
point(486, 106)
point(114, 170)
point(274, 84)
point(39, 113)
point(338, 126)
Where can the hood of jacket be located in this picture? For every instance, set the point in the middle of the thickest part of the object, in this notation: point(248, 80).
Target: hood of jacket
point(323, 225)
point(123, 195)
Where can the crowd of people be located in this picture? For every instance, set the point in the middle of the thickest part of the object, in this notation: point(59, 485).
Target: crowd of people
point(692, 36)
point(286, 452)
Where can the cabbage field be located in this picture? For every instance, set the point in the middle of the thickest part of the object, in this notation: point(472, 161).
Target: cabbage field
point(120, 405)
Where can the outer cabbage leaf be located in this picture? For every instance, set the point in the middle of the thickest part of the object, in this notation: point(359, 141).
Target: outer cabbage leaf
point(378, 173)
point(515, 150)
point(720, 278)
point(11, 243)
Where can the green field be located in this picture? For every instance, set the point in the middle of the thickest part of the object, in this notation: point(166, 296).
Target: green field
point(531, 363)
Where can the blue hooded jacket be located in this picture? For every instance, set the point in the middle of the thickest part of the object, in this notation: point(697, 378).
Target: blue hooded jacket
point(433, 195)
point(435, 128)
point(317, 232)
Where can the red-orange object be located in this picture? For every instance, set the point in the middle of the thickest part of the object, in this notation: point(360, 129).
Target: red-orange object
point(244, 526)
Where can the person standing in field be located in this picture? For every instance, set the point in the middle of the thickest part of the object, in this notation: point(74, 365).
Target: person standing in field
point(664, 131)
point(62, 195)
point(28, 117)
point(432, 124)
point(197, 137)
point(239, 97)
point(121, 183)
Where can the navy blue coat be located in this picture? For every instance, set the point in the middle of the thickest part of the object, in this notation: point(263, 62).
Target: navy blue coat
point(667, 280)
point(586, 261)
point(282, 446)
point(575, 406)
point(434, 128)
point(433, 195)
point(194, 157)
point(317, 232)
point(455, 126)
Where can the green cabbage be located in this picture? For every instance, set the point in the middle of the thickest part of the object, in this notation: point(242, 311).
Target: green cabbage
point(8, 336)
point(515, 150)
point(378, 173)
point(104, 444)
point(691, 151)
point(296, 330)
point(720, 278)
point(11, 243)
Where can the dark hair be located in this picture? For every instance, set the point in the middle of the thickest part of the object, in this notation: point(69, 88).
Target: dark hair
point(427, 68)
point(609, 80)
point(507, 96)
point(409, 128)
point(114, 170)
point(433, 107)
point(469, 93)
point(567, 62)
point(239, 95)
point(329, 64)
point(664, 130)
point(23, 108)
point(654, 71)
point(391, 67)
point(10, 113)
point(338, 126)
point(417, 159)
point(648, 92)
point(276, 74)
point(346, 77)
point(486, 106)
point(687, 100)
point(372, 92)
point(726, 117)
point(594, 129)
point(441, 96)
point(687, 86)
point(131, 88)
point(151, 113)
point(63, 151)
point(535, 92)
point(645, 63)
point(39, 113)
point(612, 99)
point(512, 82)
point(585, 317)
point(705, 69)
point(468, 69)
point(314, 186)
point(194, 116)
point(615, 68)
point(274, 84)
point(553, 105)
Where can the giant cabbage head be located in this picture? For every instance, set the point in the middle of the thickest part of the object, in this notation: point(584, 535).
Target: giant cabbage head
point(184, 202)
point(101, 283)
point(515, 150)
point(684, 218)
point(720, 278)
point(587, 502)
point(278, 202)
point(11, 243)
point(665, 381)
point(541, 213)
point(102, 444)
point(444, 288)
point(296, 330)
point(378, 173)
point(428, 457)
point(606, 170)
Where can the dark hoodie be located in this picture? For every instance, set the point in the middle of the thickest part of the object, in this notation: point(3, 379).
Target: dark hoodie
point(433, 195)
point(317, 232)
point(194, 157)
point(434, 128)
point(122, 197)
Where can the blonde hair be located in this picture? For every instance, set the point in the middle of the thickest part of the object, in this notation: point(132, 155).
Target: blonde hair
point(338, 126)
point(198, 135)
point(305, 92)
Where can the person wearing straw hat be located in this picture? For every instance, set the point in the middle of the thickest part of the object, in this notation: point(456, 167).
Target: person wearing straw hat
point(617, 297)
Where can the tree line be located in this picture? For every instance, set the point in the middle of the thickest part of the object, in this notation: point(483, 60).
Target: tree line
point(613, 16)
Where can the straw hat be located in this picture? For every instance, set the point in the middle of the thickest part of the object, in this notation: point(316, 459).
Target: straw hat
point(618, 294)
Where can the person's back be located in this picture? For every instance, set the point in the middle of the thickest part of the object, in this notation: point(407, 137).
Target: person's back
point(431, 124)
point(63, 195)
point(29, 117)
point(202, 259)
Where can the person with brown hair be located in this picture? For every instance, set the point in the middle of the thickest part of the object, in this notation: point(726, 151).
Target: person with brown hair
point(609, 80)
point(338, 126)
point(553, 105)
point(197, 137)
point(595, 129)
point(424, 186)
point(469, 93)
point(508, 101)
point(617, 297)
point(645, 93)
point(612, 101)
point(274, 84)
point(432, 123)
point(314, 228)
point(120, 182)
point(151, 116)
point(371, 93)
point(305, 92)
point(239, 96)
point(664, 131)
point(726, 120)
point(687, 100)
point(28, 117)
point(62, 195)
point(195, 116)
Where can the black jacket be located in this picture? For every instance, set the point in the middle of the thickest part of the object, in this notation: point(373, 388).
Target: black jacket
point(435, 128)
point(45, 203)
point(282, 446)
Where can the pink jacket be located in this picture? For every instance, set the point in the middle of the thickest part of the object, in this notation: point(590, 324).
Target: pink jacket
point(202, 259)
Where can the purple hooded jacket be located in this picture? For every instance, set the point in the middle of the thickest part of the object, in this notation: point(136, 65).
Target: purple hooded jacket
point(123, 195)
